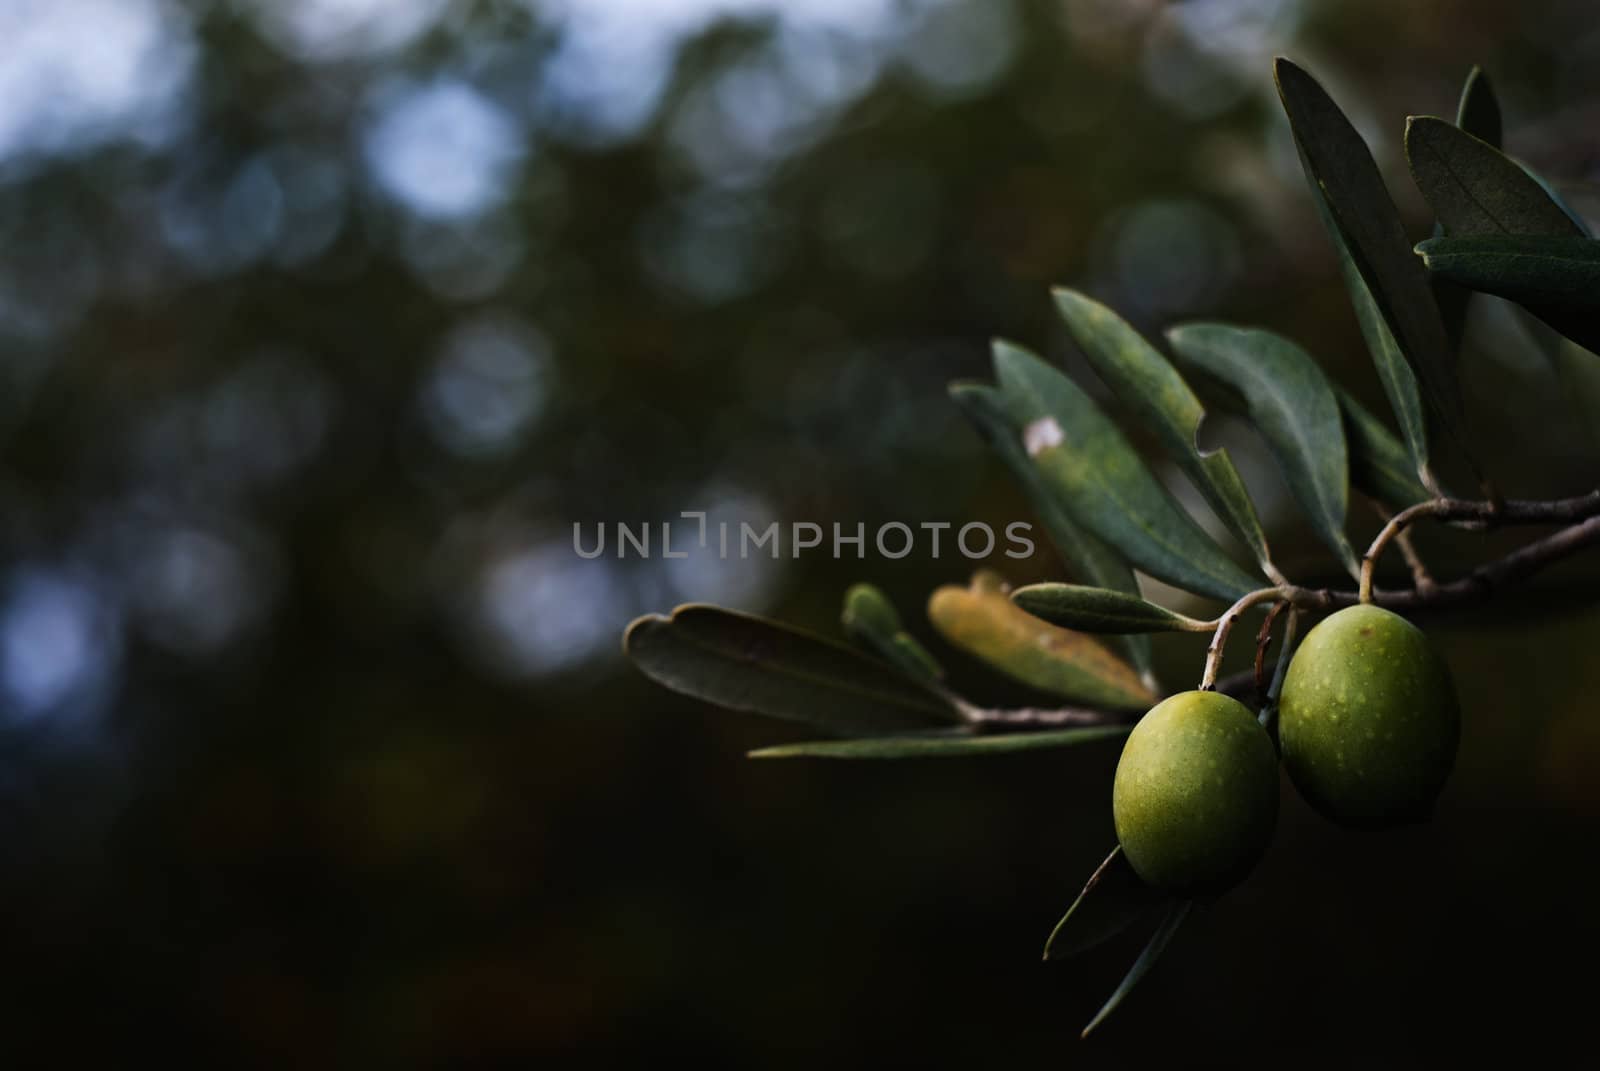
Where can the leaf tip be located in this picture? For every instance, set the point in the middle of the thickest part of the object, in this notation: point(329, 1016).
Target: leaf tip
point(639, 623)
point(1422, 124)
point(1284, 66)
point(1177, 333)
point(1005, 355)
point(1072, 304)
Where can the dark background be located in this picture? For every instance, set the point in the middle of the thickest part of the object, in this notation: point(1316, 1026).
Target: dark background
point(322, 322)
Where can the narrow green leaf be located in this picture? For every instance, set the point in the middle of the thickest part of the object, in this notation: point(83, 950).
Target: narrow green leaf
point(1295, 409)
point(1104, 485)
point(1147, 384)
point(1343, 173)
point(1113, 899)
point(1002, 424)
point(982, 621)
point(871, 620)
point(1394, 371)
point(1556, 279)
point(1478, 112)
point(954, 744)
point(1380, 467)
point(1099, 610)
point(748, 663)
point(1474, 188)
point(1147, 959)
point(1538, 272)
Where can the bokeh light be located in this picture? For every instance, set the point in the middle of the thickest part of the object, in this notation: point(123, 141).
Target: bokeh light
point(80, 73)
point(444, 149)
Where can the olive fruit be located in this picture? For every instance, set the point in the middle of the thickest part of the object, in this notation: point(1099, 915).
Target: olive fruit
point(1196, 794)
point(1368, 719)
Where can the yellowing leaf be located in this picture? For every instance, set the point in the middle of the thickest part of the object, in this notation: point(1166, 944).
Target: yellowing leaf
point(983, 621)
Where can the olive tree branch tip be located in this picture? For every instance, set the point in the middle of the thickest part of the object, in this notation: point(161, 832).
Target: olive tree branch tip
point(1481, 584)
point(1486, 513)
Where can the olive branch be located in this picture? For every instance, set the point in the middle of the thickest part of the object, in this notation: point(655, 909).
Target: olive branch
point(1501, 230)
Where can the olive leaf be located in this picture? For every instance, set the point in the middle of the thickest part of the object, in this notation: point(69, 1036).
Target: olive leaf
point(1099, 610)
point(1555, 278)
point(1103, 483)
point(1479, 115)
point(1294, 407)
point(1359, 211)
point(748, 663)
point(1002, 424)
point(1478, 111)
point(1113, 899)
point(1380, 467)
point(870, 619)
point(1147, 384)
point(1551, 277)
point(1474, 188)
point(1394, 372)
point(1147, 959)
point(981, 620)
point(948, 744)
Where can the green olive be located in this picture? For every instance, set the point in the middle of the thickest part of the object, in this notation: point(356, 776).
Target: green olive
point(1196, 793)
point(1368, 719)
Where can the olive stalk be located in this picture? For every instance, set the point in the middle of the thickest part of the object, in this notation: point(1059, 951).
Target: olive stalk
point(1269, 702)
point(1224, 625)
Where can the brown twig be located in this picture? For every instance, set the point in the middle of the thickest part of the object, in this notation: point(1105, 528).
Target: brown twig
point(1483, 581)
point(1484, 514)
point(1219, 638)
point(1421, 579)
point(1263, 641)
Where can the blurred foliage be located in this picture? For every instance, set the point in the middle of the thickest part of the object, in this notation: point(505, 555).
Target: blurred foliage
point(322, 322)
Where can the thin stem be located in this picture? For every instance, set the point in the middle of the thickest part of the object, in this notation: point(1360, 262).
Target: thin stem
point(1484, 514)
point(1396, 525)
point(1430, 481)
point(1421, 579)
point(1264, 641)
point(1478, 585)
point(1219, 638)
point(1269, 704)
